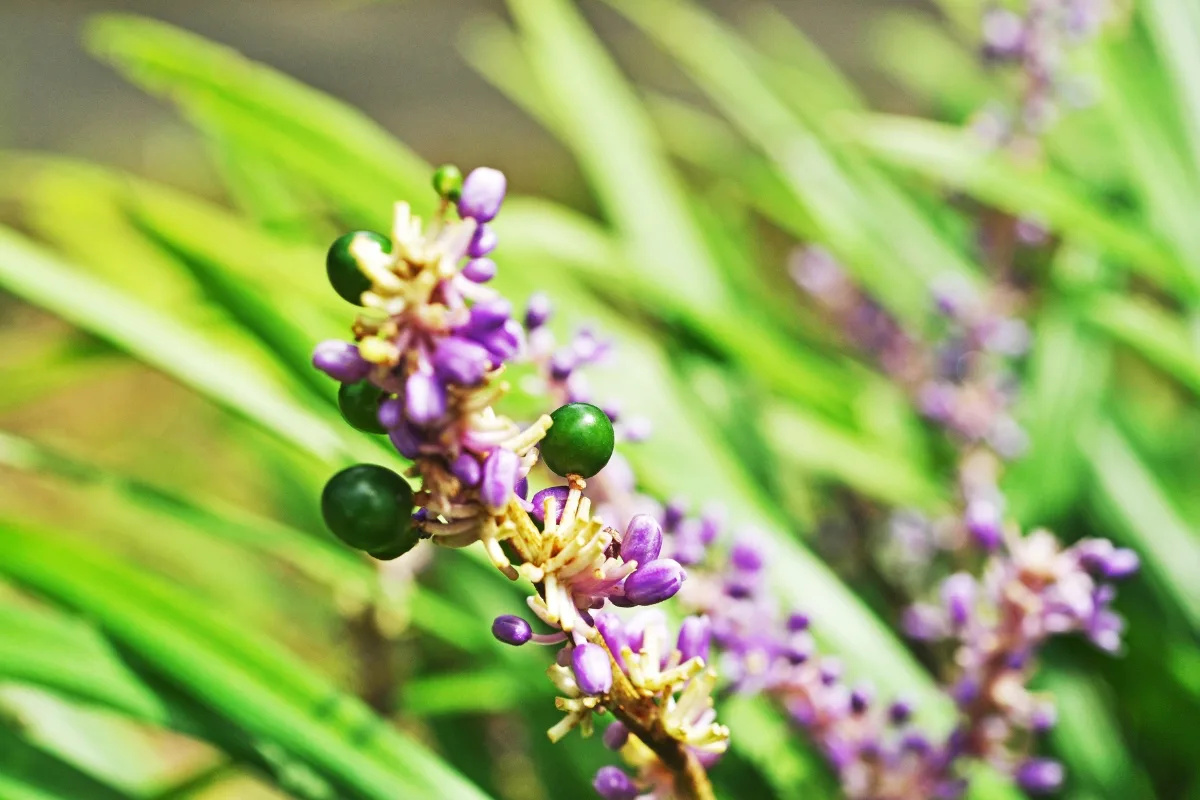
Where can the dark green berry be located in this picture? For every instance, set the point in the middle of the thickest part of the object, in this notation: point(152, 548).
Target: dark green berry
point(404, 542)
point(359, 403)
point(580, 442)
point(342, 267)
point(448, 181)
point(368, 507)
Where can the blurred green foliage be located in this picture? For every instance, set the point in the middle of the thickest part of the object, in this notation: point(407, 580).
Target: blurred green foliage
point(175, 623)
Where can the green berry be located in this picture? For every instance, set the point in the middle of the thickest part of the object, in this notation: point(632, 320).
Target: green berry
point(404, 542)
point(580, 442)
point(359, 403)
point(342, 267)
point(448, 181)
point(367, 506)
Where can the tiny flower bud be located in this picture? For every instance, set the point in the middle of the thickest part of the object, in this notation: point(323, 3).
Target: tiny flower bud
point(983, 522)
point(643, 540)
point(424, 398)
point(340, 361)
point(460, 360)
point(613, 784)
point(405, 440)
point(746, 556)
point(467, 469)
point(391, 413)
point(499, 477)
point(593, 670)
point(1121, 563)
point(900, 711)
point(482, 193)
point(483, 242)
point(695, 634)
point(860, 699)
point(1040, 775)
point(798, 622)
point(654, 582)
point(557, 495)
point(511, 629)
point(958, 597)
point(538, 311)
point(479, 270)
point(616, 735)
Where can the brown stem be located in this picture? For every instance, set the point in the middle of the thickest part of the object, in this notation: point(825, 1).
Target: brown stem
point(642, 716)
point(375, 658)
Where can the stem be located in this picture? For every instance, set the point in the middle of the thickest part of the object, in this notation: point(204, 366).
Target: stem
point(642, 716)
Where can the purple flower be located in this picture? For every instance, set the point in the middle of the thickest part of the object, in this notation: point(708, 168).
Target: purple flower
point(460, 361)
point(511, 629)
point(340, 361)
point(1040, 776)
point(745, 556)
point(482, 193)
point(405, 440)
point(391, 412)
point(500, 475)
point(424, 398)
point(982, 519)
point(643, 540)
point(487, 316)
point(654, 582)
point(613, 784)
point(798, 622)
point(593, 669)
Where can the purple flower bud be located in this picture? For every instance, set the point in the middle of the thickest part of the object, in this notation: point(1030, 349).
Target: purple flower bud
point(522, 488)
point(1040, 775)
point(483, 242)
point(391, 413)
point(538, 311)
point(915, 742)
point(424, 398)
point(923, 622)
point(482, 193)
point(643, 540)
point(900, 711)
point(710, 524)
point(613, 784)
point(799, 649)
point(460, 361)
point(1121, 563)
point(673, 513)
point(654, 582)
point(798, 622)
point(467, 469)
point(561, 364)
point(612, 410)
point(511, 629)
point(860, 699)
point(593, 670)
point(831, 671)
point(479, 270)
point(983, 522)
point(610, 628)
point(500, 473)
point(1044, 717)
point(487, 316)
point(340, 361)
point(746, 556)
point(405, 440)
point(616, 735)
point(504, 343)
point(557, 495)
point(695, 634)
point(958, 597)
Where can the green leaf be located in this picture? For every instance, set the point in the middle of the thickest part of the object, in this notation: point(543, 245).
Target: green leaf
point(30, 773)
point(485, 691)
point(40, 278)
point(1160, 338)
point(953, 157)
point(614, 142)
point(1175, 25)
point(245, 677)
point(1142, 512)
point(270, 114)
point(45, 648)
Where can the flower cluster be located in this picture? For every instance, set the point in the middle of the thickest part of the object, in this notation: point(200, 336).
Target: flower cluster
point(1037, 42)
point(432, 345)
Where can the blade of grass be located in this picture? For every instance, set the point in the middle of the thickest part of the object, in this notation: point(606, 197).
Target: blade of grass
point(232, 669)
